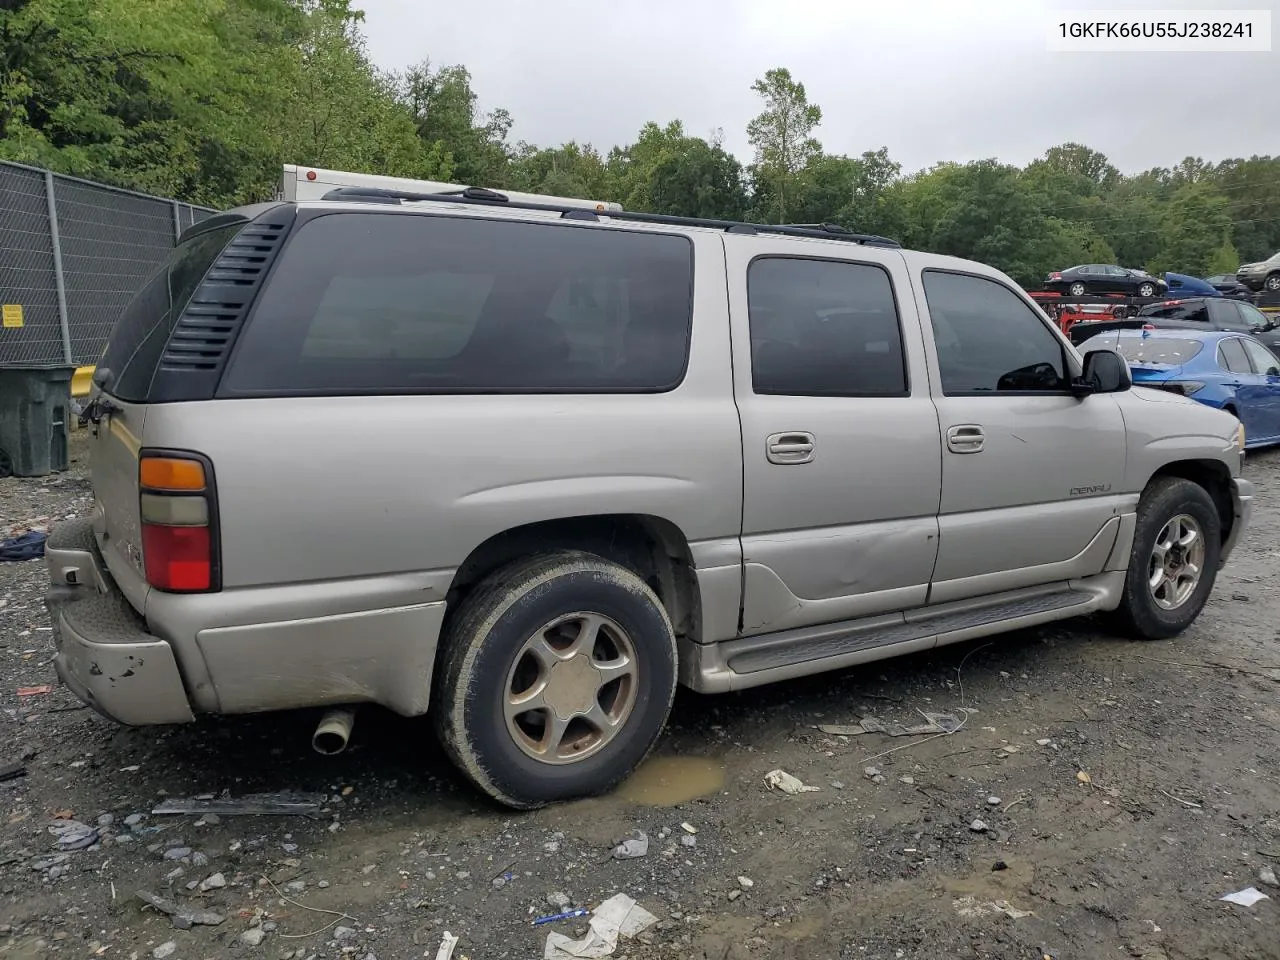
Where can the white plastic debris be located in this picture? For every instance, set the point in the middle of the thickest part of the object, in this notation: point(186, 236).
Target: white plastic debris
point(972, 907)
point(1246, 897)
point(619, 916)
point(633, 848)
point(781, 780)
point(446, 946)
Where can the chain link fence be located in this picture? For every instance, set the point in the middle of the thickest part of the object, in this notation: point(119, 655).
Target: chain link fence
point(72, 254)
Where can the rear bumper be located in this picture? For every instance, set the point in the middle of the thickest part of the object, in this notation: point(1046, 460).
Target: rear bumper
point(105, 655)
point(364, 640)
point(1242, 501)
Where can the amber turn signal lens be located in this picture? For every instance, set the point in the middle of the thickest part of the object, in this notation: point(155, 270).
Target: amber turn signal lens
point(170, 473)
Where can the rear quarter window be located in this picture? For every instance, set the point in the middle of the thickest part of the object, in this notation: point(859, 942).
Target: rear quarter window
point(139, 337)
point(416, 303)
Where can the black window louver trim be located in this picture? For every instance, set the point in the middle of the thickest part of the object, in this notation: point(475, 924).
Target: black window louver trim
point(204, 332)
point(201, 340)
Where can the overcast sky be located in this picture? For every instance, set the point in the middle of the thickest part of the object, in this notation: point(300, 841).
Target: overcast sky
point(931, 80)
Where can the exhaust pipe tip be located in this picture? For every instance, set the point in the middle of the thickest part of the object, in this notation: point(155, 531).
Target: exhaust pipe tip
point(333, 731)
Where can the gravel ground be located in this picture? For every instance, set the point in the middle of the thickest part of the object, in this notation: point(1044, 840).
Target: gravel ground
point(1123, 789)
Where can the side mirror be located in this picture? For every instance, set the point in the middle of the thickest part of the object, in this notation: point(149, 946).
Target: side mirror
point(1105, 371)
point(1273, 371)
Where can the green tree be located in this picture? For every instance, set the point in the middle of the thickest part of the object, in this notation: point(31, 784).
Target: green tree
point(782, 136)
point(446, 112)
point(1225, 259)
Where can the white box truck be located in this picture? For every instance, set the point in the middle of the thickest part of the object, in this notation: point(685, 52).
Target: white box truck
point(312, 183)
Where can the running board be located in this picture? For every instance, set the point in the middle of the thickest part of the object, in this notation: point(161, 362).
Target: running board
point(752, 661)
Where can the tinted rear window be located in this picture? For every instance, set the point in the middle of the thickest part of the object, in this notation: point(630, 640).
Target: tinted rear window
point(1187, 312)
point(140, 335)
point(1157, 350)
point(402, 303)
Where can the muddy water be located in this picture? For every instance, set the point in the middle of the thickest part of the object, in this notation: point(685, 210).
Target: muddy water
point(667, 781)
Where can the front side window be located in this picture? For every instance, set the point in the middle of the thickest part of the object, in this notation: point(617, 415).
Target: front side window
point(1180, 312)
point(415, 303)
point(1254, 319)
point(989, 340)
point(823, 328)
point(1263, 360)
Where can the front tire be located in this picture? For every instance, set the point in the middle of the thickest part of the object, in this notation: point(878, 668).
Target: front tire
point(556, 678)
point(1272, 282)
point(1176, 551)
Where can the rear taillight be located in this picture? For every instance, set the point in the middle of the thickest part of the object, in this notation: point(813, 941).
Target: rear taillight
point(177, 508)
point(1184, 387)
point(1055, 276)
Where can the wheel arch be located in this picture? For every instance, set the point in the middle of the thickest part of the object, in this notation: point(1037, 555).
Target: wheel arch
point(652, 547)
point(1213, 476)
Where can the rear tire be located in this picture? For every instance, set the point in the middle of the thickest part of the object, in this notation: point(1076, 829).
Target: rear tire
point(1146, 290)
point(1077, 289)
point(522, 703)
point(1178, 528)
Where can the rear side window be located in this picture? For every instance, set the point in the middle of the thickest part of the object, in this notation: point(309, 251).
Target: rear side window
point(1232, 358)
point(823, 328)
point(401, 303)
point(140, 335)
point(1181, 312)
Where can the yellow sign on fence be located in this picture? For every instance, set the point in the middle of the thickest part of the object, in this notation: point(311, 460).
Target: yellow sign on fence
point(12, 315)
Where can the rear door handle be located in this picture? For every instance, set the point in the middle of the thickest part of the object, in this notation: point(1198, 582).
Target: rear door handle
point(792, 447)
point(965, 438)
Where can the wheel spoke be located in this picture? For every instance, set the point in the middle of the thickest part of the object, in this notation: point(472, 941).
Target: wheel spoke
point(1188, 537)
point(1157, 579)
point(611, 670)
point(552, 733)
point(600, 719)
point(532, 699)
point(540, 649)
point(588, 632)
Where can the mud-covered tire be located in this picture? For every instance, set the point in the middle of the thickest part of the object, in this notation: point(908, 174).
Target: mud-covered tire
point(1139, 614)
point(485, 638)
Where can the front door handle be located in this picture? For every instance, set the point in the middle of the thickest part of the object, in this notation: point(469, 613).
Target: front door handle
point(965, 438)
point(792, 447)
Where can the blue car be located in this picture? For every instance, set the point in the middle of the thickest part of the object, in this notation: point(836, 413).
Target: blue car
point(1181, 285)
point(1230, 371)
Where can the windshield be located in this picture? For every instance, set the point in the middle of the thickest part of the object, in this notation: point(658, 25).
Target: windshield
point(1152, 351)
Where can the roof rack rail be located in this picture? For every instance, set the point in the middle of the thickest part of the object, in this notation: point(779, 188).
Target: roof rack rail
point(481, 196)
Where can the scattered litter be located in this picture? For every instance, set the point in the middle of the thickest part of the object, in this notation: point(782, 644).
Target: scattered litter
point(619, 916)
point(502, 879)
point(1084, 777)
point(26, 546)
point(688, 828)
point(447, 944)
point(250, 805)
point(182, 917)
point(73, 835)
point(936, 723)
point(972, 907)
point(979, 826)
point(12, 771)
point(633, 848)
point(563, 915)
point(781, 780)
point(1246, 897)
point(36, 691)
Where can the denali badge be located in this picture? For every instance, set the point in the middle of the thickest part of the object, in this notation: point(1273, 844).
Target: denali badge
point(1090, 491)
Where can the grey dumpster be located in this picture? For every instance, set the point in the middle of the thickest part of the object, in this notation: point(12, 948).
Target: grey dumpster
point(35, 405)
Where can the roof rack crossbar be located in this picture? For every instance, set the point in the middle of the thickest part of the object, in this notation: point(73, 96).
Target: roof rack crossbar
point(482, 197)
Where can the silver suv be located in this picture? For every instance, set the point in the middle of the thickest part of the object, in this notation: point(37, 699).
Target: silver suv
point(529, 467)
point(1263, 275)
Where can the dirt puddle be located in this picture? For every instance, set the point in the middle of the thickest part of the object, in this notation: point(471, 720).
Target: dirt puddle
point(668, 781)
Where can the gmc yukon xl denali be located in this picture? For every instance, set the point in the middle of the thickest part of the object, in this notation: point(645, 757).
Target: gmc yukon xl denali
point(528, 467)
